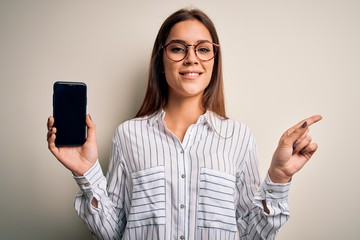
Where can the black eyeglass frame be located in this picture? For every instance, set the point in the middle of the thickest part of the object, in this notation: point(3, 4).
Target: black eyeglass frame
point(215, 45)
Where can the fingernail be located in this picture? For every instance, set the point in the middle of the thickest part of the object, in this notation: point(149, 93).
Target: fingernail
point(304, 125)
point(90, 117)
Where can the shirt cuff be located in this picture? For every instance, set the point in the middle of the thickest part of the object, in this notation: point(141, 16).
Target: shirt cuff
point(273, 192)
point(91, 179)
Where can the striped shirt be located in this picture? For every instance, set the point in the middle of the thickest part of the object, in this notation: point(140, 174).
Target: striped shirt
point(205, 187)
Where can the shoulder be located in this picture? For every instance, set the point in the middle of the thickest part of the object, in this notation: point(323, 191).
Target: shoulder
point(233, 130)
point(132, 127)
point(223, 124)
point(131, 124)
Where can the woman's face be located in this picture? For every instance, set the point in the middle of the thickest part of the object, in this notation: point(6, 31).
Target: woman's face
point(190, 76)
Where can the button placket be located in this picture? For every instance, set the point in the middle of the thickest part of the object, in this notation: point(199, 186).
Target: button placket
point(182, 192)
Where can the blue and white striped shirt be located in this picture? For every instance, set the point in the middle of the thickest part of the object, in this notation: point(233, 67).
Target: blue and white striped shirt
point(205, 187)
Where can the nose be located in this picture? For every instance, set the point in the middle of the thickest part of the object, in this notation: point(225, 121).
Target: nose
point(191, 57)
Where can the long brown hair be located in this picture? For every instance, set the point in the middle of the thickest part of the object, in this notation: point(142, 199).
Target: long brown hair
point(156, 95)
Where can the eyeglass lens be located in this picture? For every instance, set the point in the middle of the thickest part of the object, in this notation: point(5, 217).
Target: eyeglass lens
point(178, 51)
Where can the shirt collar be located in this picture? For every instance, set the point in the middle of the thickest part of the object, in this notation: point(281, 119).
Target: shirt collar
point(156, 117)
point(210, 118)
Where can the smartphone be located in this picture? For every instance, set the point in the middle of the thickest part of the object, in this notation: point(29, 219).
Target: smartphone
point(69, 111)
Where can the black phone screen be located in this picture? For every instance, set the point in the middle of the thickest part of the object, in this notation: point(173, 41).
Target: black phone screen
point(69, 110)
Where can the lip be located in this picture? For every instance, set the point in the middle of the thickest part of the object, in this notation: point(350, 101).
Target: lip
point(191, 74)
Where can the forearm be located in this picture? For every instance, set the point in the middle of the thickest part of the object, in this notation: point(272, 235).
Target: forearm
point(262, 209)
point(271, 210)
point(94, 206)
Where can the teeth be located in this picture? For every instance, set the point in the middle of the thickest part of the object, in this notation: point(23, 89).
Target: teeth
point(191, 74)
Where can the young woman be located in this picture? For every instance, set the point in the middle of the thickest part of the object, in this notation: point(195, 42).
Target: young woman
point(181, 169)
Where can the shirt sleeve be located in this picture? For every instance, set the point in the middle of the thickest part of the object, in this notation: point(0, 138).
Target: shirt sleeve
point(253, 222)
point(106, 221)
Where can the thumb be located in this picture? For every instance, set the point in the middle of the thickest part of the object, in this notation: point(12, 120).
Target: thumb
point(293, 134)
point(90, 128)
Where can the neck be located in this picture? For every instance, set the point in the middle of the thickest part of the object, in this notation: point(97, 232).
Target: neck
point(181, 114)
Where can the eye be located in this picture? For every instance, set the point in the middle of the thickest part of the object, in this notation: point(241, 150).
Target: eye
point(177, 48)
point(204, 48)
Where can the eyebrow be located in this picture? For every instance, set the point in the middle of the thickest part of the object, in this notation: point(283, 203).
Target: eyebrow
point(183, 42)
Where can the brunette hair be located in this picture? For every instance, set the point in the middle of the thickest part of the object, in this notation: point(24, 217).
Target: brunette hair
point(156, 95)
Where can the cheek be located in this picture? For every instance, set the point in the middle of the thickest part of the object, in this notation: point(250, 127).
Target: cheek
point(168, 73)
point(209, 70)
point(170, 70)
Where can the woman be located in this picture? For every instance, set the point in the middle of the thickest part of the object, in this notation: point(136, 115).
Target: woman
point(181, 169)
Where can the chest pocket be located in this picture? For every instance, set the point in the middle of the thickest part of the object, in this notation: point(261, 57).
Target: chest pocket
point(148, 198)
point(216, 200)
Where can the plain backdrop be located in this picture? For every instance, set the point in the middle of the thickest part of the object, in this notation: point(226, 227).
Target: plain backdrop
point(284, 60)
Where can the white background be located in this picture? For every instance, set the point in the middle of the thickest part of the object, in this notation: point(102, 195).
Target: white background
point(283, 61)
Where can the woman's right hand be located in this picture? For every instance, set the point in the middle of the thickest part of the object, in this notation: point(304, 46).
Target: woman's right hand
point(77, 159)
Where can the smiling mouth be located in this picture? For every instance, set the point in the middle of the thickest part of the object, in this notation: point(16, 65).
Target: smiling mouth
point(191, 74)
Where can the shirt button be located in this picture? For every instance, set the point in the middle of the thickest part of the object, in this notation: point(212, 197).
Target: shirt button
point(182, 151)
point(87, 184)
point(182, 206)
point(182, 237)
point(270, 191)
point(182, 175)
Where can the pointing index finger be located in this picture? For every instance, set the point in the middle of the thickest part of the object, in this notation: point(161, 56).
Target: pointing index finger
point(308, 121)
point(294, 133)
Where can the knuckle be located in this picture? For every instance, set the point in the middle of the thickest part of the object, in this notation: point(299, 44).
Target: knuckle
point(286, 141)
point(299, 130)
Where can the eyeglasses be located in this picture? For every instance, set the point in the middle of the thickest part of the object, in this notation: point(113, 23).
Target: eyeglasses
point(177, 50)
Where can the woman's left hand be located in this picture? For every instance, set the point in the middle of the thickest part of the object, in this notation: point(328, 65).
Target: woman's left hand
point(294, 150)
